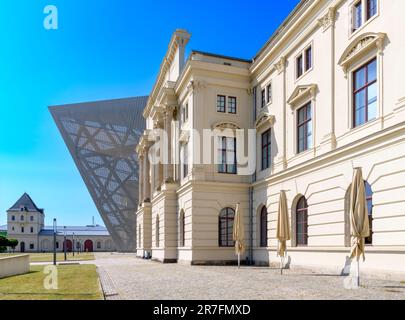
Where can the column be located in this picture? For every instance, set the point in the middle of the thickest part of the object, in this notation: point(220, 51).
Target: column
point(146, 176)
point(141, 177)
point(168, 166)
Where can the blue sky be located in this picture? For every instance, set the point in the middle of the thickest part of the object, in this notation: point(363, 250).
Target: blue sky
point(103, 49)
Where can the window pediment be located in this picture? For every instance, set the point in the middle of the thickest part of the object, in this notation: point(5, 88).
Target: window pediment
point(265, 119)
point(226, 125)
point(360, 46)
point(301, 93)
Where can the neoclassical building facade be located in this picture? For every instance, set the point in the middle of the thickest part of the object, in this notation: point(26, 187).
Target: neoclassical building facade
point(323, 96)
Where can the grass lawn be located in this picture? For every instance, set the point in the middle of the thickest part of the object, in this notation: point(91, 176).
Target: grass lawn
point(48, 257)
point(75, 282)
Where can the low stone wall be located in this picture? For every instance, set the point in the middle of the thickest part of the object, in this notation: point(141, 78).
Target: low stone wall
point(14, 265)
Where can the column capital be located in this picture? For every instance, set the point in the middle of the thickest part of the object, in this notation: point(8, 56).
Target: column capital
point(280, 64)
point(328, 19)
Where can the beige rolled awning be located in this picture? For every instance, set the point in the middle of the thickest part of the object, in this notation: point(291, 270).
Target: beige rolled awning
point(283, 225)
point(360, 228)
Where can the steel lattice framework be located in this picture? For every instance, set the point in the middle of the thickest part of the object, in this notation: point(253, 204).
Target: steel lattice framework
point(102, 137)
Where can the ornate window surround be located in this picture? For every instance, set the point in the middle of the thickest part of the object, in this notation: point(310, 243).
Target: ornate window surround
point(301, 96)
point(360, 46)
point(362, 49)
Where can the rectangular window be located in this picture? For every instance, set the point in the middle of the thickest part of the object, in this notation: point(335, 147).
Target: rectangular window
point(227, 155)
point(32, 218)
point(232, 105)
point(266, 149)
point(57, 245)
point(304, 128)
point(357, 16)
point(308, 58)
point(263, 98)
point(32, 230)
point(185, 160)
point(269, 94)
point(22, 229)
point(186, 112)
point(31, 246)
point(299, 66)
point(371, 8)
point(221, 102)
point(365, 93)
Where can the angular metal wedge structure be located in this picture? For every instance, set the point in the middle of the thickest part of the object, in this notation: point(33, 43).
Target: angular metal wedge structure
point(102, 137)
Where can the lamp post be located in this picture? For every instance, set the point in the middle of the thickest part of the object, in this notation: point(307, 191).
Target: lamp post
point(64, 241)
point(73, 249)
point(54, 242)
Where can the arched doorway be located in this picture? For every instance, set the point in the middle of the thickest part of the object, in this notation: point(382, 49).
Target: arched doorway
point(88, 246)
point(22, 246)
point(69, 245)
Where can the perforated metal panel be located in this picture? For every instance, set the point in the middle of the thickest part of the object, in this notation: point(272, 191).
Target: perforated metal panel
point(102, 137)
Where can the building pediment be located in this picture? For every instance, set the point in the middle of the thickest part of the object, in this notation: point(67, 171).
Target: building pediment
point(302, 93)
point(363, 44)
point(265, 119)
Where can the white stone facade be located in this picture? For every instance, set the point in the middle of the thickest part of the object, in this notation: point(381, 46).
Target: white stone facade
point(312, 61)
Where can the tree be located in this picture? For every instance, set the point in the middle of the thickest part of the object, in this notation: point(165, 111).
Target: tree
point(3, 243)
point(12, 243)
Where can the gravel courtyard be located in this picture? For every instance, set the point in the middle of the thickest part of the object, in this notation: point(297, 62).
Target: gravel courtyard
point(132, 278)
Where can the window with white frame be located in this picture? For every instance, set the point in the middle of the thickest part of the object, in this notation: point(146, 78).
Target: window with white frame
point(304, 128)
point(227, 155)
point(269, 93)
point(185, 160)
point(263, 98)
point(362, 11)
point(184, 113)
point(221, 103)
point(232, 105)
point(226, 104)
point(365, 93)
point(304, 62)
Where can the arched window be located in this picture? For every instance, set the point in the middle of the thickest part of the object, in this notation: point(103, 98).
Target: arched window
point(302, 222)
point(225, 227)
point(369, 199)
point(157, 231)
point(182, 229)
point(263, 227)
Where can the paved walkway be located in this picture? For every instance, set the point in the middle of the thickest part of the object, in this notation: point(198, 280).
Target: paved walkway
point(127, 277)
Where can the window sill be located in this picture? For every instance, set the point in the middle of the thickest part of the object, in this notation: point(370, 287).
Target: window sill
point(303, 75)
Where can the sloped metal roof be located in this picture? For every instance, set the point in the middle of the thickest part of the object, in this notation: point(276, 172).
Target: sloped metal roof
point(26, 203)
